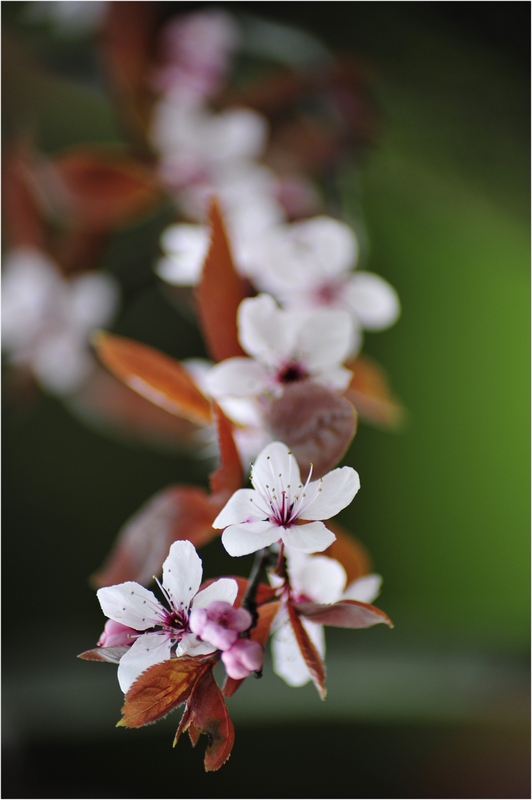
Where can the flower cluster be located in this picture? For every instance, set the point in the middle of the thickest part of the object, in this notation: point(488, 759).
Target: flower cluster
point(272, 274)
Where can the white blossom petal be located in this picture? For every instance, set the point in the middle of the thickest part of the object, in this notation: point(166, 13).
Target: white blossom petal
point(182, 573)
point(275, 467)
point(224, 589)
point(185, 247)
point(313, 537)
point(240, 540)
point(338, 488)
point(364, 589)
point(265, 331)
point(131, 604)
point(373, 300)
point(288, 663)
point(241, 507)
point(238, 377)
point(325, 338)
point(149, 649)
point(319, 578)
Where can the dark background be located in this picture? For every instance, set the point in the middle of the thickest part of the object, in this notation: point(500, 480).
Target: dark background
point(439, 706)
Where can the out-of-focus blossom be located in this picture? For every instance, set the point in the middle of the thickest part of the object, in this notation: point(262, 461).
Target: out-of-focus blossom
point(70, 17)
point(318, 579)
point(285, 346)
point(196, 53)
point(46, 319)
point(310, 264)
point(270, 512)
point(163, 631)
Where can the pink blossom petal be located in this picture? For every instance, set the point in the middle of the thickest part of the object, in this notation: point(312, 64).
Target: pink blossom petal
point(243, 658)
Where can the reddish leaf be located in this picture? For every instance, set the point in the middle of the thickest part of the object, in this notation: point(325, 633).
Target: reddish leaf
point(100, 188)
point(106, 402)
point(227, 478)
point(310, 655)
point(260, 634)
point(22, 214)
point(128, 43)
point(351, 554)
point(315, 423)
point(370, 393)
point(154, 375)
point(160, 689)
point(110, 654)
point(207, 713)
point(343, 614)
point(219, 293)
point(178, 512)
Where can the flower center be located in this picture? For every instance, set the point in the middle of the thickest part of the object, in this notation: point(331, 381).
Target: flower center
point(291, 372)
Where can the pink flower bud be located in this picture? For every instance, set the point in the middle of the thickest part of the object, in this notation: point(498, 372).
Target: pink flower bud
point(219, 623)
point(243, 658)
point(115, 634)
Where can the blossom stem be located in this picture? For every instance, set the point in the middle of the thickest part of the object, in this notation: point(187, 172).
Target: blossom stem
point(249, 601)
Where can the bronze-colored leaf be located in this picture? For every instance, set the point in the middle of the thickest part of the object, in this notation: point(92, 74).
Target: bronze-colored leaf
point(228, 477)
point(310, 655)
point(219, 293)
point(23, 220)
point(207, 713)
point(154, 375)
point(100, 188)
point(351, 554)
point(106, 402)
point(177, 512)
point(370, 393)
point(315, 423)
point(112, 655)
point(160, 689)
point(343, 614)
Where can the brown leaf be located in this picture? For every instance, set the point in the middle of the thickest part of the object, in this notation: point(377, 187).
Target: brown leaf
point(316, 424)
point(128, 41)
point(207, 713)
point(228, 477)
point(343, 614)
point(160, 689)
point(100, 188)
point(154, 375)
point(310, 655)
point(105, 402)
point(177, 512)
point(219, 293)
point(111, 655)
point(24, 225)
point(351, 554)
point(370, 393)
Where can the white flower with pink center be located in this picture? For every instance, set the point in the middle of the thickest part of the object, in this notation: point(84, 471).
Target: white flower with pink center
point(271, 511)
point(164, 631)
point(316, 579)
point(285, 346)
point(311, 264)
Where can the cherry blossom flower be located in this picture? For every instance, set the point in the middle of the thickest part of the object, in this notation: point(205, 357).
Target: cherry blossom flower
point(270, 512)
point(196, 51)
point(285, 346)
point(310, 264)
point(318, 579)
point(220, 623)
point(162, 632)
point(46, 320)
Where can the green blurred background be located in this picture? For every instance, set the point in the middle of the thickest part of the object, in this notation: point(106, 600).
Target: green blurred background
point(439, 706)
